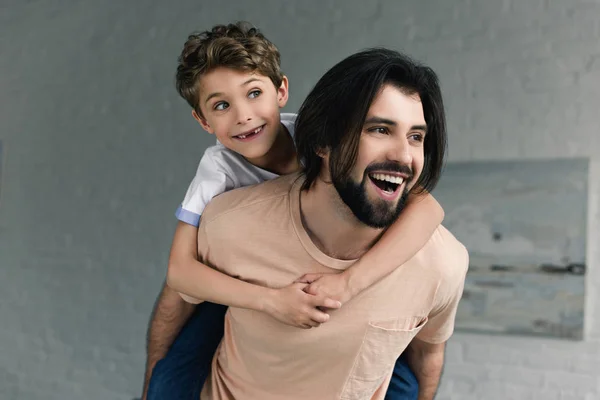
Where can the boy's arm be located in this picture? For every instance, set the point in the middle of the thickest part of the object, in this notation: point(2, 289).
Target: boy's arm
point(168, 317)
point(199, 282)
point(411, 231)
point(195, 281)
point(415, 225)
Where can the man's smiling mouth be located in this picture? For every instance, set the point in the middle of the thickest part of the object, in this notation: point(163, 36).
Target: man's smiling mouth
point(386, 182)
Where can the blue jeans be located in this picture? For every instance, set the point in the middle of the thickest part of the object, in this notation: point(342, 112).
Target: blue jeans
point(181, 374)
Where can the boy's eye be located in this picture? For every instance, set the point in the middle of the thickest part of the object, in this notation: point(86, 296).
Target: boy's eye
point(222, 105)
point(254, 94)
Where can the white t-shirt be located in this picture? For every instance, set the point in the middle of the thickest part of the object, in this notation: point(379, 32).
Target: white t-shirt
point(220, 170)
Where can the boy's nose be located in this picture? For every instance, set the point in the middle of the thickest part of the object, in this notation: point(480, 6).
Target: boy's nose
point(244, 115)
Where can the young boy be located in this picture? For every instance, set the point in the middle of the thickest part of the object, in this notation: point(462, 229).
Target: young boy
point(231, 78)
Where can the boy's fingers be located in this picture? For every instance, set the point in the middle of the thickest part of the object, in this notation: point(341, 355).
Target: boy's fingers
point(330, 303)
point(319, 317)
point(314, 324)
point(310, 289)
point(300, 285)
point(326, 302)
point(302, 279)
point(308, 278)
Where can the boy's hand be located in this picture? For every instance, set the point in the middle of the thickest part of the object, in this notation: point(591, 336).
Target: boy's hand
point(333, 285)
point(293, 306)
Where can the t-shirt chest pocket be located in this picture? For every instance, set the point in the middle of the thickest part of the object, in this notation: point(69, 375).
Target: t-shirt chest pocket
point(383, 342)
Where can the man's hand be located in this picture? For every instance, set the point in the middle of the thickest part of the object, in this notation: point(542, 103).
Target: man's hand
point(293, 306)
point(169, 315)
point(332, 285)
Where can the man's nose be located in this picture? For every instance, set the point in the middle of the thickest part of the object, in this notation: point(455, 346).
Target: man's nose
point(400, 151)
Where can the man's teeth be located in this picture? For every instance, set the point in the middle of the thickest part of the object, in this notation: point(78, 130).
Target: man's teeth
point(388, 178)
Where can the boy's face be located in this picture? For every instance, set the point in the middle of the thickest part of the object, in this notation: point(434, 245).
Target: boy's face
point(390, 158)
point(241, 109)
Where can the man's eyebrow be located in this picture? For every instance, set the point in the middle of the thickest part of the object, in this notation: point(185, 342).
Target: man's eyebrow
point(379, 120)
point(216, 94)
point(419, 128)
point(385, 121)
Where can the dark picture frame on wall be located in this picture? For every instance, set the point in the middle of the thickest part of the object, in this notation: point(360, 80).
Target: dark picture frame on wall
point(524, 223)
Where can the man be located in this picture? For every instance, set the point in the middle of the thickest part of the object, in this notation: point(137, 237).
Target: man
point(371, 130)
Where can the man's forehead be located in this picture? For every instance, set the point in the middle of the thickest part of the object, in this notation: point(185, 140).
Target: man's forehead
point(397, 107)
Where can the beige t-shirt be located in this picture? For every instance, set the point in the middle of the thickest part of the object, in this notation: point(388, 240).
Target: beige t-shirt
point(256, 234)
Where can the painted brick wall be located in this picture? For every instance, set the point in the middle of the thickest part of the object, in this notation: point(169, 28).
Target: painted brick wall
point(99, 150)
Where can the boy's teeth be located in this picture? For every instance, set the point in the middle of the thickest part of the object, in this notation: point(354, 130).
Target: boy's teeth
point(250, 133)
point(388, 178)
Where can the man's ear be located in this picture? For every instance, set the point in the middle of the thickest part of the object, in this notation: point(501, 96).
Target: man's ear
point(324, 174)
point(282, 92)
point(323, 153)
point(202, 121)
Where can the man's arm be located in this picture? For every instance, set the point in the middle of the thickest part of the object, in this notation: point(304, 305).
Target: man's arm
point(426, 351)
point(426, 360)
point(168, 317)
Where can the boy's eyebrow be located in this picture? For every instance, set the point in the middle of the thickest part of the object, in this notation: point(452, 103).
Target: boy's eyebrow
point(216, 94)
point(250, 81)
point(210, 96)
point(385, 121)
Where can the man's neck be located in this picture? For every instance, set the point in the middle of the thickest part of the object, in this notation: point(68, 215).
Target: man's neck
point(331, 225)
point(281, 158)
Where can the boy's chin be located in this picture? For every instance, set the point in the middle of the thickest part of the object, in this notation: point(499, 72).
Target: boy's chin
point(254, 153)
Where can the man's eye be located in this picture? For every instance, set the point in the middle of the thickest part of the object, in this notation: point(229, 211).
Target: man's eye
point(380, 129)
point(254, 94)
point(221, 106)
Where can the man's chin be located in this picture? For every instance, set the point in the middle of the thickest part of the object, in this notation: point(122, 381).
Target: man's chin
point(367, 205)
point(377, 203)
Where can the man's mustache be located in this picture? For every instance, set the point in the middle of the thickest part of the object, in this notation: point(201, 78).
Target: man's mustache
point(390, 167)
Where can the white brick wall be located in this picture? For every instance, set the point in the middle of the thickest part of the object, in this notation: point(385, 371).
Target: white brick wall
point(100, 150)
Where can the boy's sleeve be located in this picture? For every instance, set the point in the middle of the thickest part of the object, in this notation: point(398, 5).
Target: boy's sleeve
point(288, 117)
point(211, 180)
point(440, 325)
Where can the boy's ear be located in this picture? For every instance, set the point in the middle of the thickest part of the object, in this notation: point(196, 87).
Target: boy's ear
point(282, 92)
point(203, 123)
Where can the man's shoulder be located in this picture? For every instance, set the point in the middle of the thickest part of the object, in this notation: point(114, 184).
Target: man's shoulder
point(238, 201)
point(446, 254)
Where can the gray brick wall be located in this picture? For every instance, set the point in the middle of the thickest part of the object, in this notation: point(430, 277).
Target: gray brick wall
point(99, 150)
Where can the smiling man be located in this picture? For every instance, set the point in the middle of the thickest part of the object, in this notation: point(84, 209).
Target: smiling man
point(371, 131)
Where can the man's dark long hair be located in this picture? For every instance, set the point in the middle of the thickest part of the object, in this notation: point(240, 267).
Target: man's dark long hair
point(332, 116)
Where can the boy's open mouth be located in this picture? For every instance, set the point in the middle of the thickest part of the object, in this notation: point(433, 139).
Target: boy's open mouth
point(387, 183)
point(250, 134)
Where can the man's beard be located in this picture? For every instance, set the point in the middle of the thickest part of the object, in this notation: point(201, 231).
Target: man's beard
point(375, 214)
